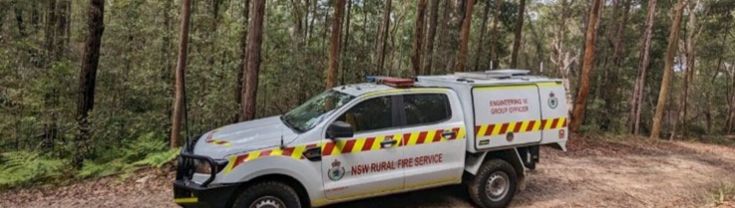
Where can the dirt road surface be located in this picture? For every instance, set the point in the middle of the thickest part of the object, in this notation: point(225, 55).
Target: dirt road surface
point(593, 173)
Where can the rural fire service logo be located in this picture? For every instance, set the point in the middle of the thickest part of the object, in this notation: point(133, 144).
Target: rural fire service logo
point(336, 172)
point(553, 101)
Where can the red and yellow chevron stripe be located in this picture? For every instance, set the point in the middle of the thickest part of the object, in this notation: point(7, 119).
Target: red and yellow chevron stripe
point(214, 141)
point(347, 146)
point(373, 143)
point(520, 126)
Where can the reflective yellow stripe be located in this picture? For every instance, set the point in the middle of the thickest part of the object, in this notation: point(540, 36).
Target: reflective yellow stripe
point(482, 130)
point(189, 200)
point(561, 122)
point(298, 151)
point(430, 136)
point(524, 125)
point(548, 124)
point(230, 163)
point(276, 152)
point(358, 145)
point(536, 125)
point(496, 129)
point(413, 138)
point(511, 126)
point(461, 133)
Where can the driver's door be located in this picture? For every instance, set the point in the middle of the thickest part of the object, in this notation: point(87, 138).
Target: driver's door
point(365, 164)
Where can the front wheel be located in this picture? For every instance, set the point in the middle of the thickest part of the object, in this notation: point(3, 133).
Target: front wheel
point(494, 185)
point(268, 194)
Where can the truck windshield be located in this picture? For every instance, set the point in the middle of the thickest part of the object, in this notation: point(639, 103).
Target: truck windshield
point(309, 114)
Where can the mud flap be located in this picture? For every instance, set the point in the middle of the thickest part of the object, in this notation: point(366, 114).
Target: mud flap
point(529, 156)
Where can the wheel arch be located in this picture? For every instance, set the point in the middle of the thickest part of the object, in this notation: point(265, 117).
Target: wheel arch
point(288, 180)
point(475, 161)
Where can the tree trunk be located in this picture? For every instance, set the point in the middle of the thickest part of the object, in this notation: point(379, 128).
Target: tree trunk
point(609, 86)
point(334, 43)
point(636, 102)
point(179, 84)
point(494, 61)
point(692, 33)
point(431, 33)
point(464, 36)
point(443, 30)
point(62, 24)
point(587, 66)
point(478, 51)
point(668, 69)
point(255, 39)
point(418, 37)
point(243, 59)
point(731, 114)
point(88, 76)
point(382, 43)
point(19, 20)
point(3, 13)
point(345, 43)
point(50, 129)
point(518, 35)
point(50, 31)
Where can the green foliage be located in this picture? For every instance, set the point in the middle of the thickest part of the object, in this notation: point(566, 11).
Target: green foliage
point(26, 168)
point(148, 150)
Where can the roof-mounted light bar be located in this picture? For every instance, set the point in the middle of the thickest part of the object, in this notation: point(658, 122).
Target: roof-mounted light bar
point(396, 82)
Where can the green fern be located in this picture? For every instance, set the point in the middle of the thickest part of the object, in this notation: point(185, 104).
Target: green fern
point(147, 150)
point(158, 159)
point(23, 168)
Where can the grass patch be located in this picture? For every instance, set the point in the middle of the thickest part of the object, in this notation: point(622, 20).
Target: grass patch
point(724, 195)
point(725, 140)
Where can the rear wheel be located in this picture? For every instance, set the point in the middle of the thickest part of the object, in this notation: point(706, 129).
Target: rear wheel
point(494, 185)
point(268, 194)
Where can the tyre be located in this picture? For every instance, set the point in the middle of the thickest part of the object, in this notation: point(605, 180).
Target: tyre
point(268, 194)
point(494, 185)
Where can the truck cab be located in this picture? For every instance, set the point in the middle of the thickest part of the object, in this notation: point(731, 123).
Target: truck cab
point(385, 136)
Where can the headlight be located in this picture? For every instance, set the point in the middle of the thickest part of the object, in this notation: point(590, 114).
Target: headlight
point(203, 167)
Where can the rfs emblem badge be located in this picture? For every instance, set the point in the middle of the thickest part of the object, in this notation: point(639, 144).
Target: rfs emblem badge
point(553, 101)
point(336, 172)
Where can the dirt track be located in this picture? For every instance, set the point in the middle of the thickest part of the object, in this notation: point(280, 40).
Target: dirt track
point(629, 173)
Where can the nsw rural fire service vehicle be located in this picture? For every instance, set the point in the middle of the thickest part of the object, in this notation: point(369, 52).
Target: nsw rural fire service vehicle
point(386, 136)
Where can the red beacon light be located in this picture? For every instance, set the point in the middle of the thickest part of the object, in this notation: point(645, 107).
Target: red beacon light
point(392, 81)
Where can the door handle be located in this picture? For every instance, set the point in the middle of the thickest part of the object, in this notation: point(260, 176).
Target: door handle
point(448, 134)
point(388, 143)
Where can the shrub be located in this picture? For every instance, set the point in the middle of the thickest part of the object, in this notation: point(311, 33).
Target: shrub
point(25, 168)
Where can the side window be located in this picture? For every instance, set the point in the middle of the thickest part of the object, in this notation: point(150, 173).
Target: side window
point(426, 108)
point(372, 114)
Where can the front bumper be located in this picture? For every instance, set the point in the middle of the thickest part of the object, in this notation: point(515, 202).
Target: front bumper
point(188, 194)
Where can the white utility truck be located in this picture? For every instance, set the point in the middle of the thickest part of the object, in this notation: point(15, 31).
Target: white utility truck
point(386, 136)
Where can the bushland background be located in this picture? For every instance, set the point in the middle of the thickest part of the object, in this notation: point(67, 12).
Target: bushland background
point(92, 88)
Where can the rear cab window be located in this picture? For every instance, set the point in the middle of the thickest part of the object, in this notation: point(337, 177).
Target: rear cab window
point(421, 109)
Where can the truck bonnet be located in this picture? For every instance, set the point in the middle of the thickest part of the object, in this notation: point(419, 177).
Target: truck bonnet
point(243, 137)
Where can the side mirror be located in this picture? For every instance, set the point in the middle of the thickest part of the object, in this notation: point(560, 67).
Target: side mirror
point(339, 129)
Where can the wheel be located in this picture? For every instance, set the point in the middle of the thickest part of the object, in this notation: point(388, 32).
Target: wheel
point(494, 185)
point(268, 194)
